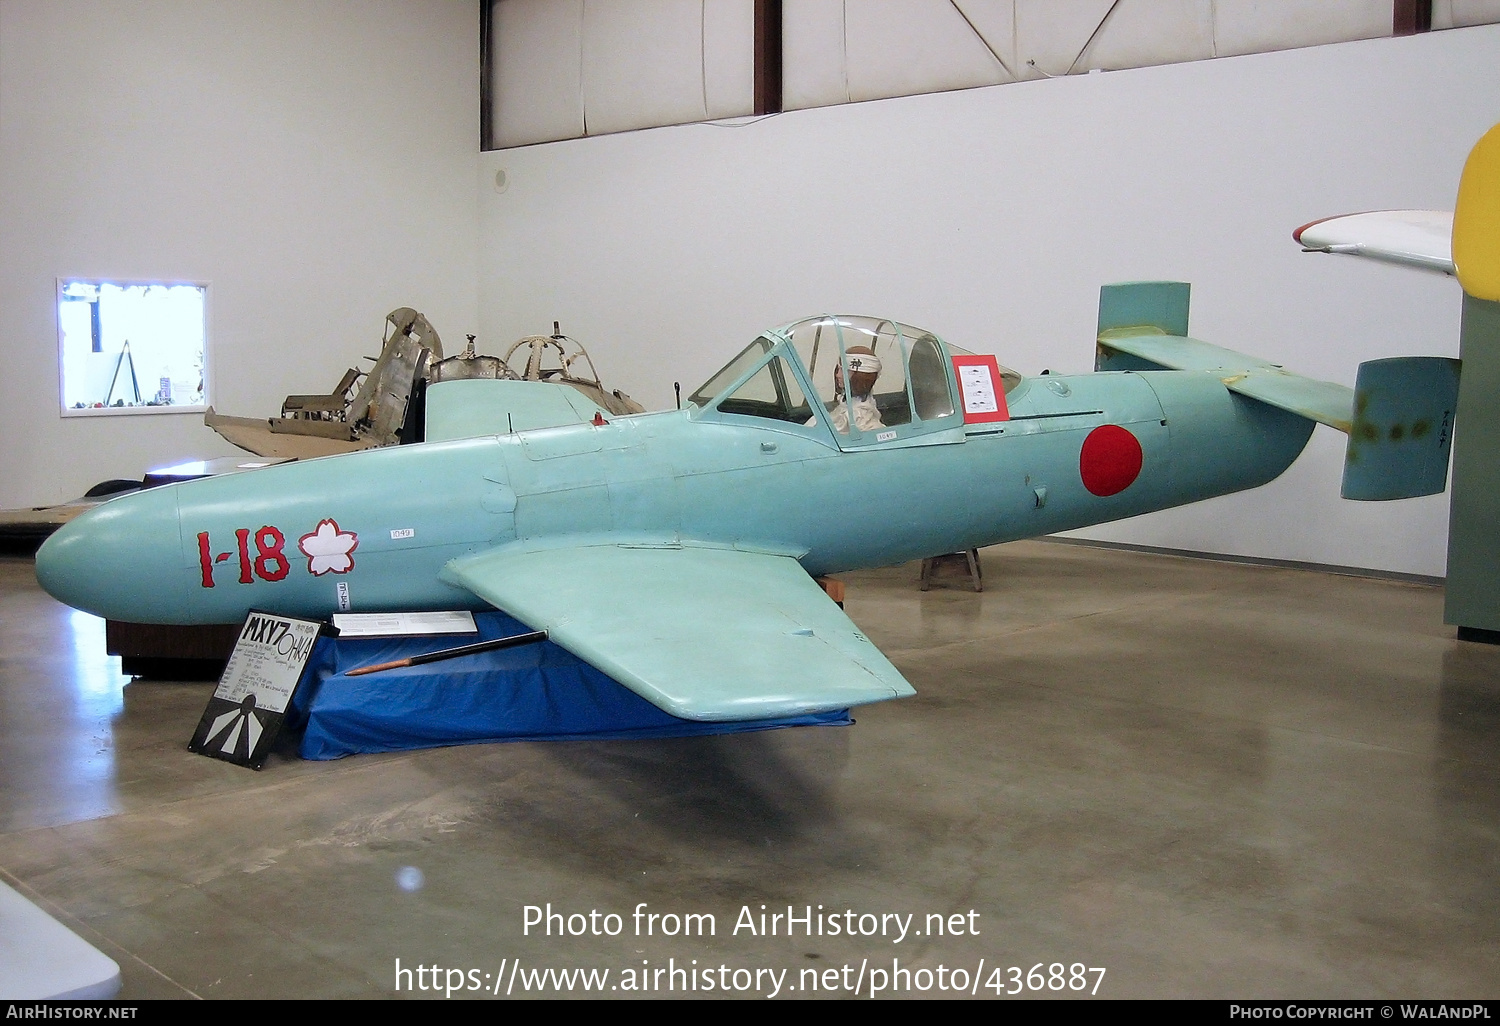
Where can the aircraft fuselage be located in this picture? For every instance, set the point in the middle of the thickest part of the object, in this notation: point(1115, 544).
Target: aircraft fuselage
point(372, 530)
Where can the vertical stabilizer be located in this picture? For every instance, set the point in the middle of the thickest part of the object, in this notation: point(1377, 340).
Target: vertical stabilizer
point(1162, 305)
point(1402, 431)
point(1139, 308)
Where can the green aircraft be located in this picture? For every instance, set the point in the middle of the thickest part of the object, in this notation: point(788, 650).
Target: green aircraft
point(676, 551)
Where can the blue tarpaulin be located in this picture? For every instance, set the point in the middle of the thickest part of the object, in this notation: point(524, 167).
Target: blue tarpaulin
point(534, 692)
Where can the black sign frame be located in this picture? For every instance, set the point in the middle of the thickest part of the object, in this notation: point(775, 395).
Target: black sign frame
point(245, 714)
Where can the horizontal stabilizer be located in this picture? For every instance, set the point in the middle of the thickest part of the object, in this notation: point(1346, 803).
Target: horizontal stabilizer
point(1399, 417)
point(1322, 401)
point(1403, 428)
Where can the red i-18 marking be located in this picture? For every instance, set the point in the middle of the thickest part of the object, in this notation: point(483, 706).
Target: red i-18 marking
point(269, 563)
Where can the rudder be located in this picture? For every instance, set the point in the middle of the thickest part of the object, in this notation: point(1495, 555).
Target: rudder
point(1403, 428)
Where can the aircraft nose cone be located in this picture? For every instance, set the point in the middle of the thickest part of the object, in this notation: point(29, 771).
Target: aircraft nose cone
point(120, 561)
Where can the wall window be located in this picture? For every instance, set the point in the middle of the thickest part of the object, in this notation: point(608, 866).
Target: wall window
point(132, 347)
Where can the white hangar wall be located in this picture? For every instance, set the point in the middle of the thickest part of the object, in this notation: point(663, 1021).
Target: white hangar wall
point(993, 215)
point(314, 161)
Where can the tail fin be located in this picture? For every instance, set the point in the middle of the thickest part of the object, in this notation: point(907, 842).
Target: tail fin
point(1145, 305)
point(1399, 418)
point(1139, 308)
point(1403, 428)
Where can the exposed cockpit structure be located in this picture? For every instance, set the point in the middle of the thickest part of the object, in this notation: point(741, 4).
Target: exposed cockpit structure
point(560, 359)
point(324, 425)
point(389, 402)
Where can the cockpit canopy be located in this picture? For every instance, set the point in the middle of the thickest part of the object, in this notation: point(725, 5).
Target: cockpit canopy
point(872, 379)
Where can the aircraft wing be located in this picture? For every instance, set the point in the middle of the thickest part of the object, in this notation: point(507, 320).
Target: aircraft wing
point(702, 633)
point(1415, 238)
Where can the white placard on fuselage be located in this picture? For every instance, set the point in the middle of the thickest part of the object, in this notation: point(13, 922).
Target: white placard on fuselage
point(978, 386)
point(395, 625)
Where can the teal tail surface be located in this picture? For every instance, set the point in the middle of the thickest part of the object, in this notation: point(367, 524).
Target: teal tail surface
point(1399, 417)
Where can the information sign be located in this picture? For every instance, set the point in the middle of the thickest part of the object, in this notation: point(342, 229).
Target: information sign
point(983, 389)
point(247, 709)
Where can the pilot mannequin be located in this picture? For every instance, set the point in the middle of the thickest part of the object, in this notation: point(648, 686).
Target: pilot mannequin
point(864, 368)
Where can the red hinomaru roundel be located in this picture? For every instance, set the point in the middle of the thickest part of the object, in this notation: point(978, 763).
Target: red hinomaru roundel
point(1110, 460)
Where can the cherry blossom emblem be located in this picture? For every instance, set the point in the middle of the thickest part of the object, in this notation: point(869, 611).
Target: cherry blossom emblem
point(329, 550)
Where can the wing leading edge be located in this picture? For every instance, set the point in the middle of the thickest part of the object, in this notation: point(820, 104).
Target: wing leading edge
point(1414, 238)
point(702, 633)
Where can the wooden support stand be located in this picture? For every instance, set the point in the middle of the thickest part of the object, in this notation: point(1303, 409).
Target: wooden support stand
point(968, 560)
point(835, 589)
point(166, 652)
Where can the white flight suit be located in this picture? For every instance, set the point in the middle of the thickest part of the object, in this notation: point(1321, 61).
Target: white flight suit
point(866, 415)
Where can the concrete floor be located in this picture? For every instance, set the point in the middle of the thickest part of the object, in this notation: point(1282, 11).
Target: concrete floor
point(1209, 779)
